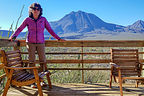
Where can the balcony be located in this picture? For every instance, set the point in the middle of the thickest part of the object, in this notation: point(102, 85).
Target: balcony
point(85, 57)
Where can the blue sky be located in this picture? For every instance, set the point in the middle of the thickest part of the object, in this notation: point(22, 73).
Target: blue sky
point(121, 12)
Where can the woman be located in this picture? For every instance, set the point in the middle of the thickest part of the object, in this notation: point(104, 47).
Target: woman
point(35, 39)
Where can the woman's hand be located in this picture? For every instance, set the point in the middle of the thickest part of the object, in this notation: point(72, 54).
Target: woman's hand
point(61, 40)
point(12, 38)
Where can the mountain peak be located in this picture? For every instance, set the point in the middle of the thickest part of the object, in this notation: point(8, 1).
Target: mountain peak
point(139, 25)
point(80, 11)
point(77, 13)
point(140, 22)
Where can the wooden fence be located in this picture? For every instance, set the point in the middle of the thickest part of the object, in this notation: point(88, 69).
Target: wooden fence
point(83, 45)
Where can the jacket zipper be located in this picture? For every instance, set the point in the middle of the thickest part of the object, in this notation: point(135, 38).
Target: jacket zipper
point(36, 31)
point(36, 28)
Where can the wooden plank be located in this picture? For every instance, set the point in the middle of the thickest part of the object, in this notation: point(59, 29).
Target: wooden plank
point(112, 43)
point(78, 61)
point(64, 43)
point(123, 57)
point(72, 53)
point(13, 60)
point(125, 50)
point(14, 82)
point(91, 43)
point(12, 52)
point(17, 73)
point(118, 53)
point(97, 61)
point(134, 78)
point(79, 69)
point(14, 63)
point(104, 53)
point(140, 52)
point(127, 63)
point(21, 76)
point(126, 60)
point(64, 61)
point(28, 77)
point(94, 53)
point(14, 55)
point(74, 61)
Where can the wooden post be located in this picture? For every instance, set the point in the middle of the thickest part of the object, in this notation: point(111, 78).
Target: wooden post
point(82, 64)
point(17, 46)
point(38, 82)
point(120, 82)
point(8, 82)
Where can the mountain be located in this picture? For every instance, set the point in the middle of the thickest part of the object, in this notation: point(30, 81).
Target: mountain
point(79, 25)
point(6, 33)
point(82, 25)
point(22, 35)
point(82, 22)
point(137, 27)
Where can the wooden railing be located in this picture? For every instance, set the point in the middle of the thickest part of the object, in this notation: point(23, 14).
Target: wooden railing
point(82, 46)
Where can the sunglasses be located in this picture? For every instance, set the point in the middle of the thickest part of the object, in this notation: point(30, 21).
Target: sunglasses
point(38, 9)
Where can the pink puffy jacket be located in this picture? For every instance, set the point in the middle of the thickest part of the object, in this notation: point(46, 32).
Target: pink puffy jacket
point(35, 30)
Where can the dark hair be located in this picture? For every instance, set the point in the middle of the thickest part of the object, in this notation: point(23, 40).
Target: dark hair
point(33, 6)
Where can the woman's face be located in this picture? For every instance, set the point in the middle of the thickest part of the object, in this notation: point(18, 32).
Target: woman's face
point(35, 11)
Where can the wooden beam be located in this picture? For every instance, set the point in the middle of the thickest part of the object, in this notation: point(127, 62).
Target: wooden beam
point(78, 68)
point(91, 43)
point(77, 61)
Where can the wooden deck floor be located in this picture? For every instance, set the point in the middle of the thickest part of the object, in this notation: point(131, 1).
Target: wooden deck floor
point(73, 89)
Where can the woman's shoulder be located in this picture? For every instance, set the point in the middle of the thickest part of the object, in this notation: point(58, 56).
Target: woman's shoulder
point(43, 18)
point(27, 18)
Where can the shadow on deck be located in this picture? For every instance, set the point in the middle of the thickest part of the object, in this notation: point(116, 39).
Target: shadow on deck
point(74, 89)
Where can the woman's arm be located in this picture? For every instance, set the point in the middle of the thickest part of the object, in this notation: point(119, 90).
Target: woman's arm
point(50, 30)
point(16, 33)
